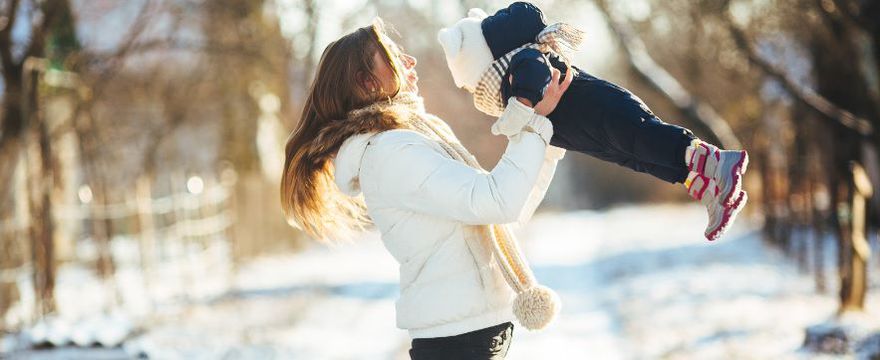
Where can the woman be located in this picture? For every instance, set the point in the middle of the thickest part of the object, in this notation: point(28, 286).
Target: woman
point(364, 131)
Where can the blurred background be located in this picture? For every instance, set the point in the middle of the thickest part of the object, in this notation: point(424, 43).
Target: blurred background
point(142, 144)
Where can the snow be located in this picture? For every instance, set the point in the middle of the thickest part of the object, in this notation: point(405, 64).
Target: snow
point(652, 288)
point(635, 282)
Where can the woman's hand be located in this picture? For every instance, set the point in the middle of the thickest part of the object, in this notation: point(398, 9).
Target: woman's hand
point(553, 92)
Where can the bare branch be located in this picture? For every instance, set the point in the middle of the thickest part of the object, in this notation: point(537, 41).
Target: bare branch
point(40, 30)
point(851, 15)
point(126, 44)
point(196, 46)
point(113, 59)
point(657, 77)
point(846, 26)
point(802, 94)
point(311, 31)
point(9, 66)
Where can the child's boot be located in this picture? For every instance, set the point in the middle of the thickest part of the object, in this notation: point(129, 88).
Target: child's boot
point(705, 190)
point(725, 167)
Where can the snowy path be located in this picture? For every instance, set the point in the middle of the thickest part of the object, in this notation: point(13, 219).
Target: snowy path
point(635, 283)
point(639, 283)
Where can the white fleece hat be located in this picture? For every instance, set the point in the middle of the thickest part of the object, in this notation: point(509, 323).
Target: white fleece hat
point(467, 53)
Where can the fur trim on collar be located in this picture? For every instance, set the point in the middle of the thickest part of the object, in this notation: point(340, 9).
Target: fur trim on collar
point(360, 125)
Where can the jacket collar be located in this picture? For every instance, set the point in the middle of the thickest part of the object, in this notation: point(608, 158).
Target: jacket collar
point(347, 163)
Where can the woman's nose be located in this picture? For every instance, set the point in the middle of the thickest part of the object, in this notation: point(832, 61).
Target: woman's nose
point(408, 61)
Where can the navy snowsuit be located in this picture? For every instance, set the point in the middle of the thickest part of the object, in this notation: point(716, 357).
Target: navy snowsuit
point(594, 116)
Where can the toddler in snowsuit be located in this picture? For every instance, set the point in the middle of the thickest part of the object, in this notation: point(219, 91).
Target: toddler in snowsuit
point(510, 54)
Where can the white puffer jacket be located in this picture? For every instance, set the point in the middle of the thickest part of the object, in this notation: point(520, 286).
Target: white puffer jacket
point(425, 204)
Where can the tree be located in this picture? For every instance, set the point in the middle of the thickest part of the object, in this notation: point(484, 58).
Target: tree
point(46, 20)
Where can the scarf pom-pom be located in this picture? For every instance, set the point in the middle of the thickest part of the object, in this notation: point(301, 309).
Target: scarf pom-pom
point(536, 307)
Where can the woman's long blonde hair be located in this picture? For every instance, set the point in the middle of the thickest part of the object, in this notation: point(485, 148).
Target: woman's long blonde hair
point(309, 197)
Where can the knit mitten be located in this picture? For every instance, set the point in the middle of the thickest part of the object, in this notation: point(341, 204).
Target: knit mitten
point(725, 167)
point(705, 190)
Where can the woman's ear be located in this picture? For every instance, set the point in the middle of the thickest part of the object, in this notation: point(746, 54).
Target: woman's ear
point(366, 82)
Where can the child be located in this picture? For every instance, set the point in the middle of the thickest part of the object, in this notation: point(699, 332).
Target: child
point(594, 116)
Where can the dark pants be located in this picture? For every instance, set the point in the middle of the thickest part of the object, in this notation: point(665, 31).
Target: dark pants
point(606, 121)
point(485, 344)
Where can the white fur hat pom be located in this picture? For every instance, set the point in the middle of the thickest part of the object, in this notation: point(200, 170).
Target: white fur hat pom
point(467, 53)
point(536, 307)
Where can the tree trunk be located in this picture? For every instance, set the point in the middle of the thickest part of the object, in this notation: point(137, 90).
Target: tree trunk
point(42, 226)
point(818, 219)
point(10, 137)
point(840, 85)
point(147, 227)
point(102, 232)
point(854, 247)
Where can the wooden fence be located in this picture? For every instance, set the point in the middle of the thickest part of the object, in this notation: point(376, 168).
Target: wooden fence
point(161, 250)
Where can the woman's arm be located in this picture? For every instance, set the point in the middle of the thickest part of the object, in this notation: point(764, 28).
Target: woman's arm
point(545, 176)
point(415, 174)
point(552, 94)
point(548, 169)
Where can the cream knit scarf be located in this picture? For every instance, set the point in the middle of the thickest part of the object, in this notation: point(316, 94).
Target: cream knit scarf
point(535, 306)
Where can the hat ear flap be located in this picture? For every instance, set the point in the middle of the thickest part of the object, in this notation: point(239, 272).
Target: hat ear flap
point(477, 13)
point(450, 40)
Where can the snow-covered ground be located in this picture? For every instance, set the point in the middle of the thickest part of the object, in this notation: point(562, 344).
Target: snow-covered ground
point(637, 282)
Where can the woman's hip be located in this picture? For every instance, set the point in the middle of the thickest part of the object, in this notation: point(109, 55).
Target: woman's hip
point(489, 343)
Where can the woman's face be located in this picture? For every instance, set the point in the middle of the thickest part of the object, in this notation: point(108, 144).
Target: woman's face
point(404, 62)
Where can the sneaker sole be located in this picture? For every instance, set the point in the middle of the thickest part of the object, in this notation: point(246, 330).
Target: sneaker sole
point(729, 216)
point(736, 170)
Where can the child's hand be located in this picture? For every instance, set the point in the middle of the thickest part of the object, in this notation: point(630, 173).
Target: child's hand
point(554, 91)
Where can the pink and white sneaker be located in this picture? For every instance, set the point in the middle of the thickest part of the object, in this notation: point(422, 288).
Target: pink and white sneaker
point(728, 214)
point(725, 167)
point(705, 190)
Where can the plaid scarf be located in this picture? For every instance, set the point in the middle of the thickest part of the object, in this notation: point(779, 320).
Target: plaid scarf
point(558, 39)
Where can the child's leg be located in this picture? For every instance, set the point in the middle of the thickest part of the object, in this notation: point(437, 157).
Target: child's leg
point(668, 174)
point(711, 175)
point(601, 120)
point(657, 147)
point(604, 120)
